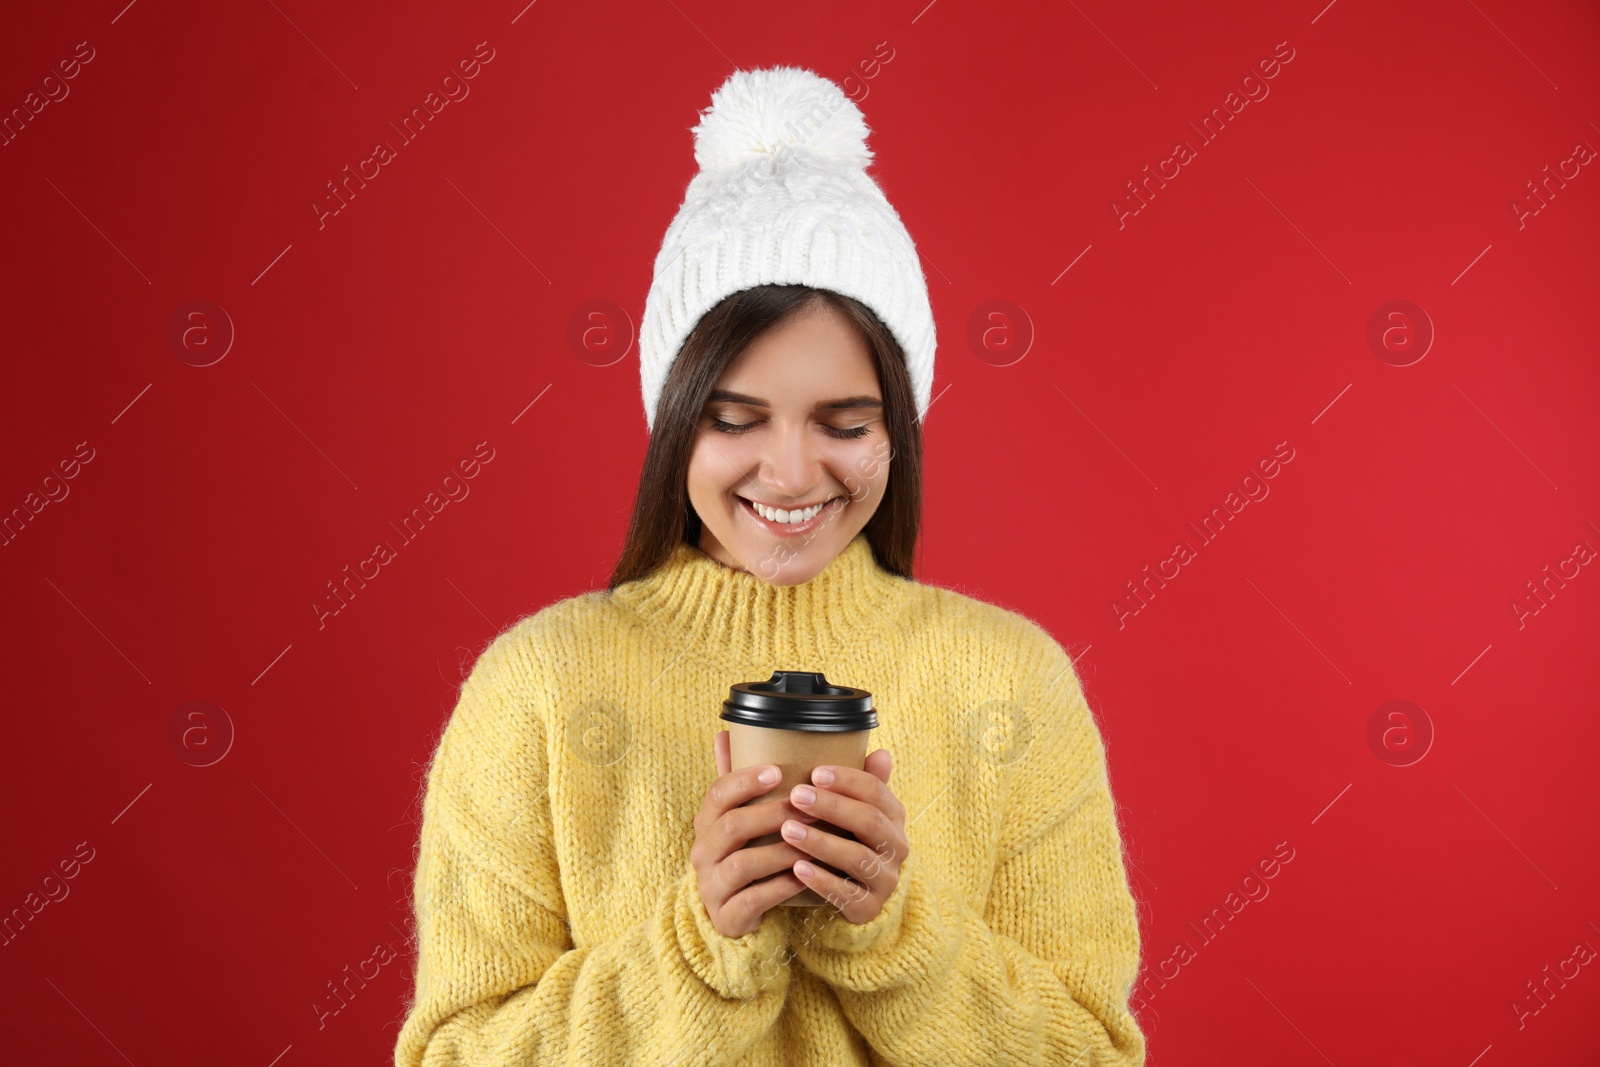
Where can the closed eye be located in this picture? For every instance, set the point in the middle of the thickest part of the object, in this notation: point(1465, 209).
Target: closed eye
point(745, 427)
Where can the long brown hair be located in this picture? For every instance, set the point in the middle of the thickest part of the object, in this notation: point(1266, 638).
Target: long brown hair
point(663, 516)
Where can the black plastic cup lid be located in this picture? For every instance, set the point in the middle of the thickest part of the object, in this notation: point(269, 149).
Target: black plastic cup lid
point(800, 700)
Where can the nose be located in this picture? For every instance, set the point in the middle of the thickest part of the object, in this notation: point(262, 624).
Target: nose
point(791, 464)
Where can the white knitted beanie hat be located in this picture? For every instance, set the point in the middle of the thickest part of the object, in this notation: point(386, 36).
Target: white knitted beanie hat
point(783, 197)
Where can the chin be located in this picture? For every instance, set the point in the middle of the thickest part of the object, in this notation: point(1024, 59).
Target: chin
point(784, 563)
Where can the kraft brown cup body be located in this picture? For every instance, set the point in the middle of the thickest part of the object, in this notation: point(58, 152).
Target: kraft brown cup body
point(796, 753)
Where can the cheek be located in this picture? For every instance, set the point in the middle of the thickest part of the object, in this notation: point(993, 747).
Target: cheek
point(699, 485)
point(865, 472)
point(714, 468)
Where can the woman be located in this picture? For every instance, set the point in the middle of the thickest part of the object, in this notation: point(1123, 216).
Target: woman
point(584, 892)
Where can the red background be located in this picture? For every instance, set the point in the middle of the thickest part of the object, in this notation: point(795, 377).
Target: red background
point(1228, 315)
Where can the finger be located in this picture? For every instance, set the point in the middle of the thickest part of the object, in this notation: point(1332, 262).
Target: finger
point(872, 867)
point(732, 814)
point(728, 792)
point(720, 747)
point(751, 905)
point(863, 785)
point(742, 825)
point(737, 787)
point(746, 866)
point(851, 898)
point(878, 765)
point(870, 824)
point(880, 842)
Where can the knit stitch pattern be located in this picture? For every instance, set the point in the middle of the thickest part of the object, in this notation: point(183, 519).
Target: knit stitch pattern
point(558, 918)
point(783, 197)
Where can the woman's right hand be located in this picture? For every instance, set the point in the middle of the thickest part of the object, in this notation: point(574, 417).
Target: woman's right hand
point(730, 874)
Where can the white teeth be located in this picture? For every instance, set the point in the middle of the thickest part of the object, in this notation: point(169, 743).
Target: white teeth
point(779, 515)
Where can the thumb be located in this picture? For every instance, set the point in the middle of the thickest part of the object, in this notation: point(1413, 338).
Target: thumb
point(880, 764)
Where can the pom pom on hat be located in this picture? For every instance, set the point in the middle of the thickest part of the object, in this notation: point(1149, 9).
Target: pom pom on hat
point(757, 113)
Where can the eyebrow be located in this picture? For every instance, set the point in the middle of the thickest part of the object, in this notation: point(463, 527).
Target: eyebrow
point(727, 396)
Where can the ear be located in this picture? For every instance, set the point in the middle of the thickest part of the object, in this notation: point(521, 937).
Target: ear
point(879, 765)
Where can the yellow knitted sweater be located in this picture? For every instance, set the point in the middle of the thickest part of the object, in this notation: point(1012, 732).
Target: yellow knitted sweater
point(558, 916)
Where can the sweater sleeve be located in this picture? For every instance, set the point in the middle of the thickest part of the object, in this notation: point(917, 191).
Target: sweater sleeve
point(498, 979)
point(1042, 973)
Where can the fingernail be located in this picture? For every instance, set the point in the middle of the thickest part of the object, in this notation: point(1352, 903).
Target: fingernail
point(804, 869)
point(823, 776)
point(769, 776)
point(804, 794)
point(794, 831)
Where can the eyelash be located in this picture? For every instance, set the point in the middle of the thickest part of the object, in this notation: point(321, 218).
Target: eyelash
point(835, 431)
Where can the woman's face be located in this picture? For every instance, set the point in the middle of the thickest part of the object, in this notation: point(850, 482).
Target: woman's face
point(770, 435)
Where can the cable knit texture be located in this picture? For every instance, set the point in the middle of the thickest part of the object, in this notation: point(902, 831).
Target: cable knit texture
point(559, 920)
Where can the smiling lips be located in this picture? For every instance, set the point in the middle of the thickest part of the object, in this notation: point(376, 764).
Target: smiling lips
point(787, 520)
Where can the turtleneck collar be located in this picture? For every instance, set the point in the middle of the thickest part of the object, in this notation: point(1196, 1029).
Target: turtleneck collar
point(740, 618)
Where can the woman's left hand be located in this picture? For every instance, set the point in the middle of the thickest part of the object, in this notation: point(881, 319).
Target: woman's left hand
point(859, 802)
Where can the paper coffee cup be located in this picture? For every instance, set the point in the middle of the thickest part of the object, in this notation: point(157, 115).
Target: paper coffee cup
point(798, 722)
